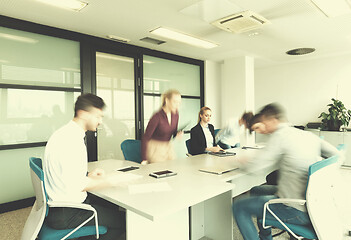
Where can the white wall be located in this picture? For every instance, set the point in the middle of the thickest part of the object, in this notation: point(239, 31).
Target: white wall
point(233, 88)
point(305, 88)
point(213, 91)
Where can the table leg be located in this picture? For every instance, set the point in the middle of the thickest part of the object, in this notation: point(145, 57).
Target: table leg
point(173, 227)
point(213, 218)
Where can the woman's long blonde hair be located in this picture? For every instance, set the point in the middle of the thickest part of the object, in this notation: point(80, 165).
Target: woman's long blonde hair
point(202, 110)
point(168, 95)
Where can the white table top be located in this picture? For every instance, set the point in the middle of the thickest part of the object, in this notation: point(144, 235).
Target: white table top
point(188, 187)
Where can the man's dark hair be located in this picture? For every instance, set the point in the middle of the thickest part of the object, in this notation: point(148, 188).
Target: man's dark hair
point(87, 101)
point(273, 110)
point(246, 117)
point(255, 119)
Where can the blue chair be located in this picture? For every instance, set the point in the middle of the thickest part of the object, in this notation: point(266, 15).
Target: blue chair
point(320, 203)
point(35, 227)
point(216, 131)
point(131, 149)
point(341, 147)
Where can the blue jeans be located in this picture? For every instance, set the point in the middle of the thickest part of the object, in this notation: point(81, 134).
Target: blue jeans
point(244, 209)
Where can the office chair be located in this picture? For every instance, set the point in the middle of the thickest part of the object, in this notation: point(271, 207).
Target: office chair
point(342, 148)
point(35, 227)
point(187, 144)
point(131, 149)
point(320, 203)
point(216, 131)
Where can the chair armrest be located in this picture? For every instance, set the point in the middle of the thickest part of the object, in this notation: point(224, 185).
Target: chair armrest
point(72, 205)
point(287, 200)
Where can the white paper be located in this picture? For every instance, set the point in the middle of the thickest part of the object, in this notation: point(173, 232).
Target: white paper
point(149, 187)
point(118, 178)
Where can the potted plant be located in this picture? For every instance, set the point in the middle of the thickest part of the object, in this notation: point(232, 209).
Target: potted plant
point(336, 117)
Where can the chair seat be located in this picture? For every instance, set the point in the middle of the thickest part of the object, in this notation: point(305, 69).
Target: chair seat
point(305, 231)
point(47, 233)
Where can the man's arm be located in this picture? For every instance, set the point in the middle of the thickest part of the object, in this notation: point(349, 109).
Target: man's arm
point(96, 180)
point(271, 153)
point(328, 150)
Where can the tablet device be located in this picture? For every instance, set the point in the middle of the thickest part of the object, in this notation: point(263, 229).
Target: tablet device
point(127, 169)
point(217, 170)
point(252, 147)
point(222, 153)
point(182, 127)
point(162, 174)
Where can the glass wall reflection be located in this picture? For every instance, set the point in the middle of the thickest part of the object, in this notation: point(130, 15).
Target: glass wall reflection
point(115, 84)
point(33, 115)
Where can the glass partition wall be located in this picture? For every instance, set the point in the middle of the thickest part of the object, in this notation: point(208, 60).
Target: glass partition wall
point(162, 74)
point(115, 81)
point(115, 84)
point(38, 86)
point(42, 72)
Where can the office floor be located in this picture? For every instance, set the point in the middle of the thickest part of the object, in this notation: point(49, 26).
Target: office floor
point(11, 223)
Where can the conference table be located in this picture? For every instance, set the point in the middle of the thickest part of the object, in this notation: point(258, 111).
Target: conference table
point(190, 205)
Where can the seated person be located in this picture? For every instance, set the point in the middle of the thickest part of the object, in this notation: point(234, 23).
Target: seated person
point(65, 166)
point(293, 151)
point(229, 136)
point(202, 135)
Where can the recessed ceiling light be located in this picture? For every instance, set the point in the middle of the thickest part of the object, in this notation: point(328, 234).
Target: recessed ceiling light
point(182, 37)
point(74, 5)
point(300, 51)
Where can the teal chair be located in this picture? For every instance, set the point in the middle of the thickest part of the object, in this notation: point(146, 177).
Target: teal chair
point(36, 228)
point(216, 131)
point(341, 147)
point(131, 150)
point(320, 203)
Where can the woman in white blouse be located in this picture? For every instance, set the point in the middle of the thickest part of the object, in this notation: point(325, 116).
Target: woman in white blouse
point(202, 137)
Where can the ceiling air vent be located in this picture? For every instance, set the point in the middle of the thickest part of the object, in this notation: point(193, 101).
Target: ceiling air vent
point(300, 51)
point(152, 40)
point(241, 22)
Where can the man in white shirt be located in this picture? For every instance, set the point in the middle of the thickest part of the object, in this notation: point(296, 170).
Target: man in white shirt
point(293, 150)
point(229, 135)
point(65, 172)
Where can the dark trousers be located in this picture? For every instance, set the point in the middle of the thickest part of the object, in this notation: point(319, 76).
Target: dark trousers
point(272, 178)
point(108, 216)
